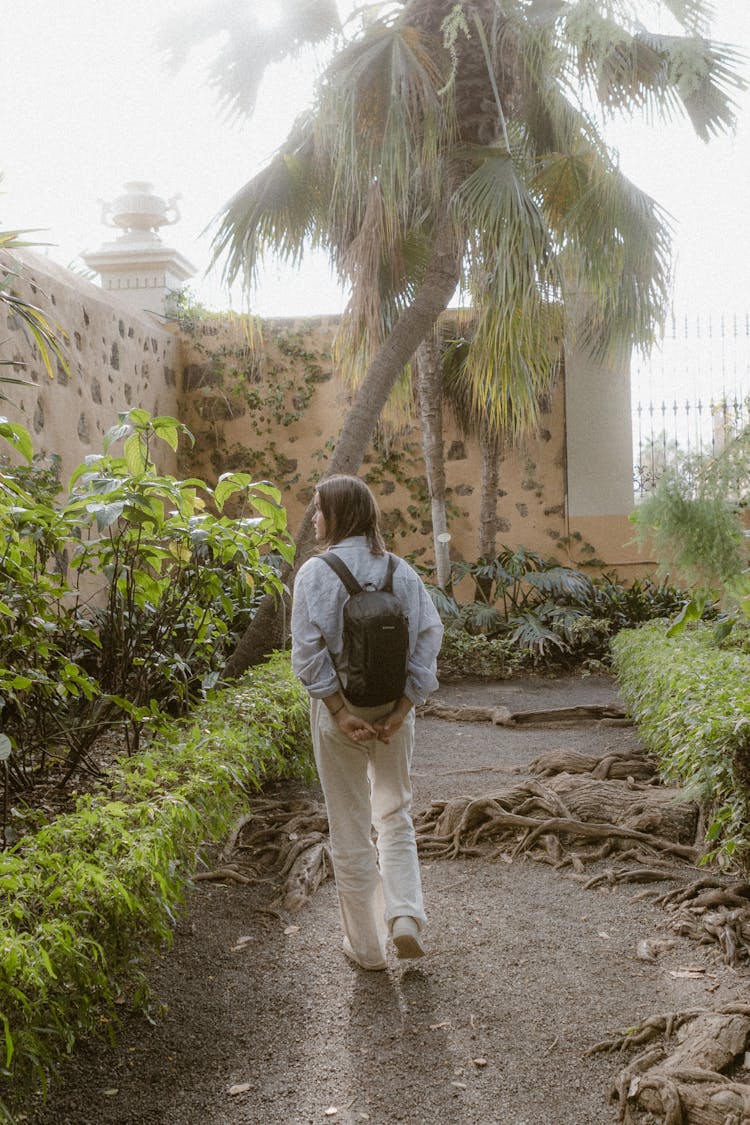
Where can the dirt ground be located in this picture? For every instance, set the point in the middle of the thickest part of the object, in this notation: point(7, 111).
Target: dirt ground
point(526, 970)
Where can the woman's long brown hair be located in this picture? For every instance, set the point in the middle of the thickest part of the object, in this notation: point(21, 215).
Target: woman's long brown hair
point(349, 508)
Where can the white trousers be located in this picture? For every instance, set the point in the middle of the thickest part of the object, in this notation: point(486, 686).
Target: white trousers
point(368, 785)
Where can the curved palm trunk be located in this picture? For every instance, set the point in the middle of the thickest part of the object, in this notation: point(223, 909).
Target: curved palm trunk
point(267, 630)
point(430, 396)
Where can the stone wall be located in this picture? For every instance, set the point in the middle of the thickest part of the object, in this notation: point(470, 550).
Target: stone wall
point(265, 399)
point(270, 404)
point(116, 361)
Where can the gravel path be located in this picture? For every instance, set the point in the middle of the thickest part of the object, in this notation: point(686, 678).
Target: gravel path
point(526, 971)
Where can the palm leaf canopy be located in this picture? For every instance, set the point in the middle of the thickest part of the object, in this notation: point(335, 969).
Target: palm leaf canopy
point(490, 116)
point(248, 42)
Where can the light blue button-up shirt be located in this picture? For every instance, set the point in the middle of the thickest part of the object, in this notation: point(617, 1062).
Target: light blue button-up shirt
point(317, 617)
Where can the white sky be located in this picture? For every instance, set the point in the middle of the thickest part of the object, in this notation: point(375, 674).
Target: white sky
point(86, 105)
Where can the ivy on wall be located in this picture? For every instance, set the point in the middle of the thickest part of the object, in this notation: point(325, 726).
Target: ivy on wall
point(268, 377)
point(251, 396)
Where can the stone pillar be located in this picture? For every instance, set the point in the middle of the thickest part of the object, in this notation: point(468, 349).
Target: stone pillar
point(137, 267)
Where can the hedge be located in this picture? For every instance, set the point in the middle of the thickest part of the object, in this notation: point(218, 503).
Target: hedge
point(90, 895)
point(690, 699)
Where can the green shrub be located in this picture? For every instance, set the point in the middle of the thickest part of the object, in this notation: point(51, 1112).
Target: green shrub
point(542, 615)
point(694, 522)
point(126, 597)
point(86, 898)
point(462, 654)
point(691, 702)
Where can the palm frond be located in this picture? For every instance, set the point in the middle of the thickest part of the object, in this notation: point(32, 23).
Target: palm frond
point(531, 634)
point(630, 69)
point(511, 234)
point(512, 364)
point(480, 618)
point(446, 606)
point(693, 15)
point(246, 44)
point(281, 210)
point(704, 77)
point(382, 119)
point(615, 245)
point(383, 279)
point(560, 581)
point(46, 333)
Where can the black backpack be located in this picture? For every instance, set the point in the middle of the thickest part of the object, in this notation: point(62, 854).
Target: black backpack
point(376, 638)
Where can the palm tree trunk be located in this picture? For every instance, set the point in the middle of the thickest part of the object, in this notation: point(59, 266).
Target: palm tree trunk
point(490, 446)
point(266, 631)
point(430, 396)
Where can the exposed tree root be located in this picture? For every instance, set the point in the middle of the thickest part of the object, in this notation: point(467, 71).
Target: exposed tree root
point(225, 874)
point(288, 839)
point(636, 764)
point(685, 1081)
point(502, 716)
point(527, 816)
point(613, 877)
point(712, 910)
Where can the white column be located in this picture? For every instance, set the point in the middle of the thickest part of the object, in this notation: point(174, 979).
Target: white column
point(598, 436)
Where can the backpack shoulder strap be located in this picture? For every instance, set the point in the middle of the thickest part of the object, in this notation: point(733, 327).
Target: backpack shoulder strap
point(388, 583)
point(342, 570)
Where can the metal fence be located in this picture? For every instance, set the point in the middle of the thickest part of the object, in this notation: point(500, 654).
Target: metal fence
point(690, 394)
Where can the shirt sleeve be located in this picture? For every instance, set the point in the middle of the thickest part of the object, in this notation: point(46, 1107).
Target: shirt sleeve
point(426, 637)
point(311, 660)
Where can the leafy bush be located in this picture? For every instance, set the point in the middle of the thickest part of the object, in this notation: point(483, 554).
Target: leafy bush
point(691, 701)
point(544, 614)
point(90, 895)
point(484, 657)
point(693, 521)
point(124, 599)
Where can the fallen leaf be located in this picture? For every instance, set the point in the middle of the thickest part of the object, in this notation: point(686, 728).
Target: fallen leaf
point(459, 1085)
point(110, 1093)
point(240, 1088)
point(292, 930)
point(241, 943)
point(647, 949)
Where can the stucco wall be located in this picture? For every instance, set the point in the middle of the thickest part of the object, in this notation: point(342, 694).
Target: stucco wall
point(116, 359)
point(273, 406)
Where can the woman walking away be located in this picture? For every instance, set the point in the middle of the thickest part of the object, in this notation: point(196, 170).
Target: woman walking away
point(347, 651)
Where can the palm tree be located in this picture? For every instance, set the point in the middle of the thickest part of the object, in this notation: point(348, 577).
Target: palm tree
point(475, 419)
point(462, 144)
